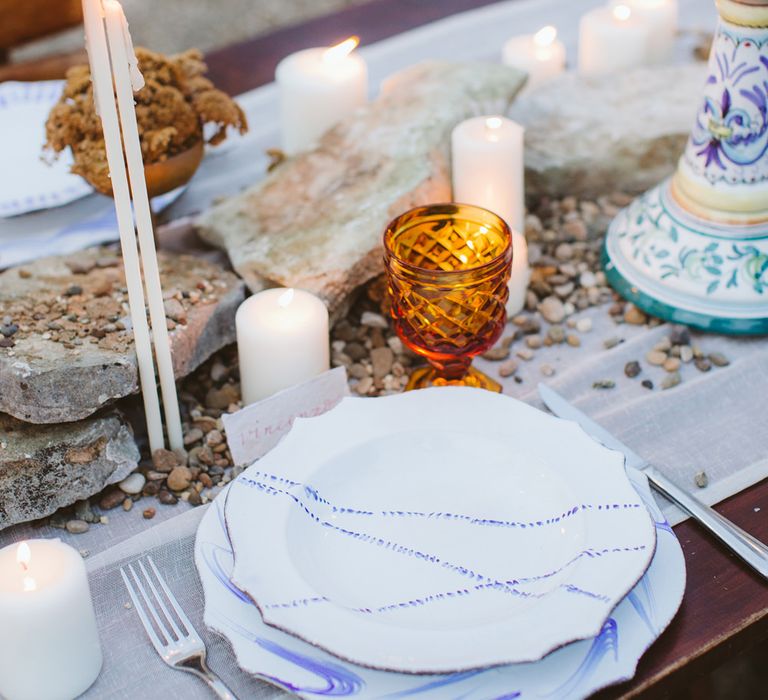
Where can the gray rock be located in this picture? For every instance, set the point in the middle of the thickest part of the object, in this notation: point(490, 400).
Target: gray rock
point(316, 222)
point(43, 468)
point(76, 355)
point(591, 136)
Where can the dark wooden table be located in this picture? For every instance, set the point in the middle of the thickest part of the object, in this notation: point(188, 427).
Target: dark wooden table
point(725, 610)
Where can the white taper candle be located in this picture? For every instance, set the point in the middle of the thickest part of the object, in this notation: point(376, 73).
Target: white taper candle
point(123, 57)
point(98, 57)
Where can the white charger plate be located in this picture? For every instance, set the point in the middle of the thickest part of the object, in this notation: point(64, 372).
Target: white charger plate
point(575, 671)
point(415, 532)
point(28, 183)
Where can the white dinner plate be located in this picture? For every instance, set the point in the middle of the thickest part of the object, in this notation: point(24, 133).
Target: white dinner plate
point(575, 671)
point(416, 532)
point(27, 182)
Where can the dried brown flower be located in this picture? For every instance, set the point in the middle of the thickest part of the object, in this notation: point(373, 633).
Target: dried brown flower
point(171, 110)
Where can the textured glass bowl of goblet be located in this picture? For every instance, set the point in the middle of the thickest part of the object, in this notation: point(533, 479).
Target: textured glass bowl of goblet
point(448, 266)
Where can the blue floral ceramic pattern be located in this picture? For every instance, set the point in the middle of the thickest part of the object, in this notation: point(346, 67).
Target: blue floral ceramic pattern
point(664, 241)
point(730, 136)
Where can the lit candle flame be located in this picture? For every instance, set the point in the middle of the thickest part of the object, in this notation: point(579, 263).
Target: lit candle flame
point(545, 37)
point(23, 555)
point(341, 50)
point(622, 12)
point(29, 584)
point(285, 298)
point(492, 126)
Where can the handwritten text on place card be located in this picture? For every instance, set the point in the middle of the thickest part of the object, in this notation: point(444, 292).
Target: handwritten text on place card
point(256, 429)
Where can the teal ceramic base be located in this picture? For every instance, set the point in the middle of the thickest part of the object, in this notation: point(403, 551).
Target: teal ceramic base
point(681, 268)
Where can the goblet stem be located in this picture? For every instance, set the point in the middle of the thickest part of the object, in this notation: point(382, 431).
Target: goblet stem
point(452, 370)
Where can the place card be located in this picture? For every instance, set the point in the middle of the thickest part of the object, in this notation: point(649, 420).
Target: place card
point(256, 429)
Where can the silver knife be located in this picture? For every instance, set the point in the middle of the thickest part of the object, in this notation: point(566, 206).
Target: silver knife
point(750, 549)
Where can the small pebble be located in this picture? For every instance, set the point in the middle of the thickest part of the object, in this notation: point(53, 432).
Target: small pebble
point(718, 359)
point(133, 484)
point(149, 513)
point(496, 354)
point(701, 479)
point(547, 370)
point(214, 438)
point(127, 504)
point(656, 358)
point(680, 335)
point(671, 364)
point(111, 498)
point(632, 369)
point(612, 342)
point(179, 479)
point(647, 383)
point(584, 325)
point(167, 498)
point(556, 334)
point(588, 279)
point(77, 527)
point(534, 342)
point(192, 436)
point(686, 353)
point(702, 364)
point(573, 340)
point(634, 316)
point(671, 380)
point(604, 384)
point(364, 386)
point(73, 290)
point(525, 354)
point(552, 310)
point(508, 368)
point(164, 460)
point(373, 320)
point(7, 343)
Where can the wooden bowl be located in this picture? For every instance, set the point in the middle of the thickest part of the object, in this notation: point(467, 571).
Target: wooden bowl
point(169, 174)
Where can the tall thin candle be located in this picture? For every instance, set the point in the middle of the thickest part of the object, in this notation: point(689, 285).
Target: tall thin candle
point(98, 56)
point(123, 58)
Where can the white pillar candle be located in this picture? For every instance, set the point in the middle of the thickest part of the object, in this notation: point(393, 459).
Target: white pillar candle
point(487, 159)
point(662, 18)
point(318, 87)
point(282, 340)
point(49, 643)
point(541, 55)
point(612, 39)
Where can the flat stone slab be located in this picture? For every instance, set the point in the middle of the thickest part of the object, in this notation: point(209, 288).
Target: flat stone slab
point(43, 468)
point(588, 137)
point(317, 221)
point(66, 349)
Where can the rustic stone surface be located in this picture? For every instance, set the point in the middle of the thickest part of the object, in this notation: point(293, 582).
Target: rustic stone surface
point(43, 468)
point(72, 354)
point(316, 222)
point(589, 136)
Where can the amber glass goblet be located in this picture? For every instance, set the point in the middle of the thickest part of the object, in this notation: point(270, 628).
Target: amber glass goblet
point(447, 267)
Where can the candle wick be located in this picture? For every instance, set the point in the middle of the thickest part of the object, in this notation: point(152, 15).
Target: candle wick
point(24, 566)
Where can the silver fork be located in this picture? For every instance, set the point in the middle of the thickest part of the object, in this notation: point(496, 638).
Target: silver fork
point(179, 645)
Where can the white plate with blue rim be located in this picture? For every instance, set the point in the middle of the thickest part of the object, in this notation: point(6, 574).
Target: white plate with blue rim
point(575, 671)
point(28, 182)
point(440, 531)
